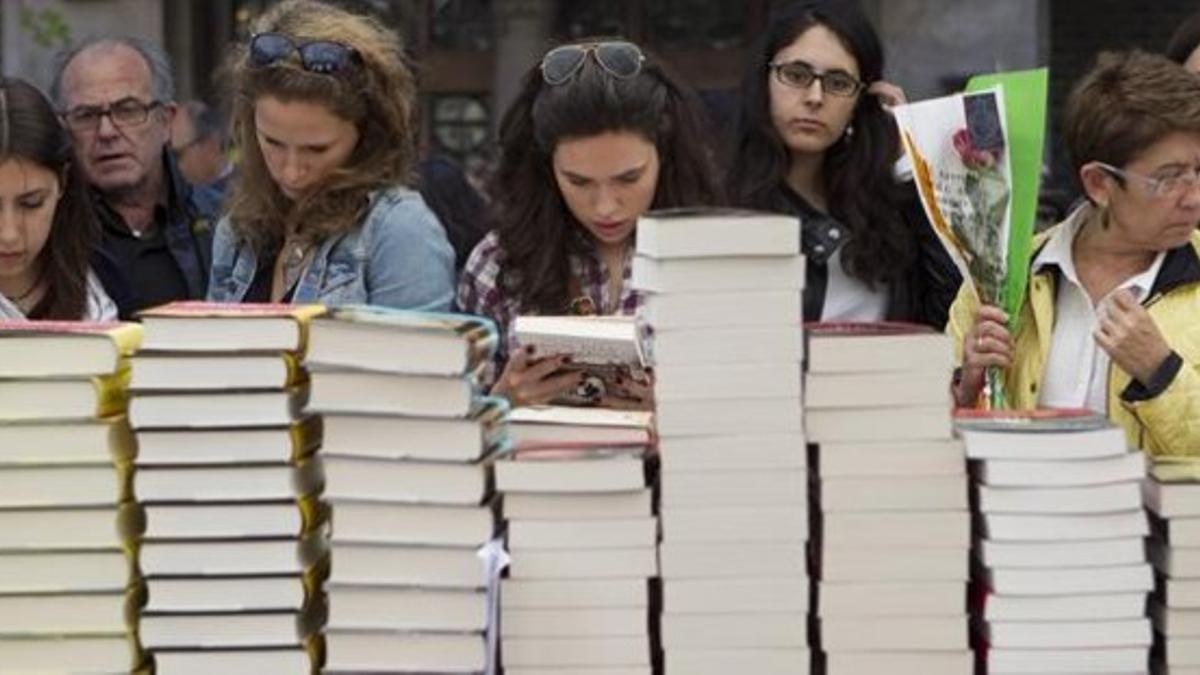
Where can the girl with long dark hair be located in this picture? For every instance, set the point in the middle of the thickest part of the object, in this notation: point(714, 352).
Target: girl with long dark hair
point(814, 139)
point(48, 229)
point(599, 134)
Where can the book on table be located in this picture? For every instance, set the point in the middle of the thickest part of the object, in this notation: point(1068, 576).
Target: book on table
point(65, 349)
point(194, 326)
point(716, 232)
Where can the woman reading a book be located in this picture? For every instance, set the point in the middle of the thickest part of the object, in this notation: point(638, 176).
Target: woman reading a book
point(814, 139)
point(599, 134)
point(1110, 319)
point(49, 235)
point(323, 111)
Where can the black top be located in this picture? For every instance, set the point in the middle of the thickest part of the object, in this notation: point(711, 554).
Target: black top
point(260, 286)
point(923, 294)
point(153, 276)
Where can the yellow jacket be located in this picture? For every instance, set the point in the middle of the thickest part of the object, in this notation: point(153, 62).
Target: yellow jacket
point(1167, 424)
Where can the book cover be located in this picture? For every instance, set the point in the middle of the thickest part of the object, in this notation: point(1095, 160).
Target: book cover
point(433, 342)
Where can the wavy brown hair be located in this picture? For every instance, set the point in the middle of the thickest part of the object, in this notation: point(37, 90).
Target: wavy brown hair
point(31, 131)
point(377, 94)
point(537, 231)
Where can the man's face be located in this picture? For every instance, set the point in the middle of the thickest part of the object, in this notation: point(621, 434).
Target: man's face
point(118, 151)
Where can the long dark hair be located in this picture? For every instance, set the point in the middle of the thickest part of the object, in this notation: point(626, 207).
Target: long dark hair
point(537, 231)
point(861, 191)
point(30, 131)
point(1185, 39)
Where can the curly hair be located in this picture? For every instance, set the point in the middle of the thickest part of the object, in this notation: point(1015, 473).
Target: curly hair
point(377, 94)
point(30, 131)
point(861, 191)
point(536, 230)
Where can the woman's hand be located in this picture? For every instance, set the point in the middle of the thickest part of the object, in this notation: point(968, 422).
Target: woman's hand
point(632, 392)
point(1129, 335)
point(889, 95)
point(529, 380)
point(987, 344)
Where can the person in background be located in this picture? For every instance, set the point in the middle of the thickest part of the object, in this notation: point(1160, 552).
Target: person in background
point(115, 96)
point(459, 207)
point(814, 139)
point(198, 140)
point(1184, 45)
point(48, 228)
point(1109, 322)
point(599, 134)
point(319, 209)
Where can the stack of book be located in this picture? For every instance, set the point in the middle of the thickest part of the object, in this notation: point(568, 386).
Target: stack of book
point(234, 547)
point(1172, 494)
point(582, 541)
point(408, 449)
point(892, 528)
point(723, 303)
point(68, 584)
point(1061, 575)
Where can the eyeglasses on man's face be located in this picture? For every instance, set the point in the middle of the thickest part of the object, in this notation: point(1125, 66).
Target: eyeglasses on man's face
point(801, 75)
point(127, 112)
point(1174, 183)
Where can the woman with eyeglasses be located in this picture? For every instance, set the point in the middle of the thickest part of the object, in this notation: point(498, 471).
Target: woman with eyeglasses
point(320, 211)
point(599, 134)
point(1110, 319)
point(49, 234)
point(814, 139)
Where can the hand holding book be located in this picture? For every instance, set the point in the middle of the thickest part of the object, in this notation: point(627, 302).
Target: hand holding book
point(530, 378)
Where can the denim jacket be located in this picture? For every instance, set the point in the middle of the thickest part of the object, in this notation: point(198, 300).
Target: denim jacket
point(398, 257)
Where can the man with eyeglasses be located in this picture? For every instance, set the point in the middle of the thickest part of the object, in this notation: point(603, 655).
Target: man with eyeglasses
point(116, 98)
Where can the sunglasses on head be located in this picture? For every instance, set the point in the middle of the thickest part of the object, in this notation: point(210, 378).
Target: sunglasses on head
point(622, 60)
point(319, 56)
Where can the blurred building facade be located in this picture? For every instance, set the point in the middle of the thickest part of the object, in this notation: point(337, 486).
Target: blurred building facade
point(471, 53)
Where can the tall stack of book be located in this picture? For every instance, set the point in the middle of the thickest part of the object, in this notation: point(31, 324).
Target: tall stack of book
point(1172, 494)
point(582, 541)
point(723, 302)
point(408, 449)
point(235, 547)
point(892, 529)
point(1061, 575)
point(68, 583)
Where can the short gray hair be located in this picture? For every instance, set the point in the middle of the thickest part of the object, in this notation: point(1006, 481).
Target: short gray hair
point(162, 75)
point(206, 119)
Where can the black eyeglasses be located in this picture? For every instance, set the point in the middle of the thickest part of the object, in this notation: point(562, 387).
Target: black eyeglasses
point(801, 75)
point(319, 56)
point(622, 60)
point(128, 112)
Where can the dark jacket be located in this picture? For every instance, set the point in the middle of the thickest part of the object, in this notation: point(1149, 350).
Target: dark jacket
point(187, 227)
point(922, 294)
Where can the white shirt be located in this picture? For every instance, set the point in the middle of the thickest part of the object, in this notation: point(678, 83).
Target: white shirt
point(1077, 368)
point(99, 306)
point(849, 299)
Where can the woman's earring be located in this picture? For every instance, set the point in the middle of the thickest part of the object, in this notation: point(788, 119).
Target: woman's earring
point(849, 131)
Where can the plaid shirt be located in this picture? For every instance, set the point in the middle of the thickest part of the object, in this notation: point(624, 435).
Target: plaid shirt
point(480, 292)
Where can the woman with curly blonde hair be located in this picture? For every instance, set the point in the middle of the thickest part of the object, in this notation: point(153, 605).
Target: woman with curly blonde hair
point(320, 210)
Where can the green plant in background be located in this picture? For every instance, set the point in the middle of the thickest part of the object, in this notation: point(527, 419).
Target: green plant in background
point(46, 25)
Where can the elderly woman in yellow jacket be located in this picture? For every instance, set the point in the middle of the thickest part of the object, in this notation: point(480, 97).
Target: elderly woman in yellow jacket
point(1112, 320)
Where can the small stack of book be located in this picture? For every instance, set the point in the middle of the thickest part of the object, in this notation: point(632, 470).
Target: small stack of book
point(408, 449)
point(582, 540)
point(892, 528)
point(1061, 576)
point(68, 531)
point(723, 304)
point(1172, 494)
point(235, 546)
